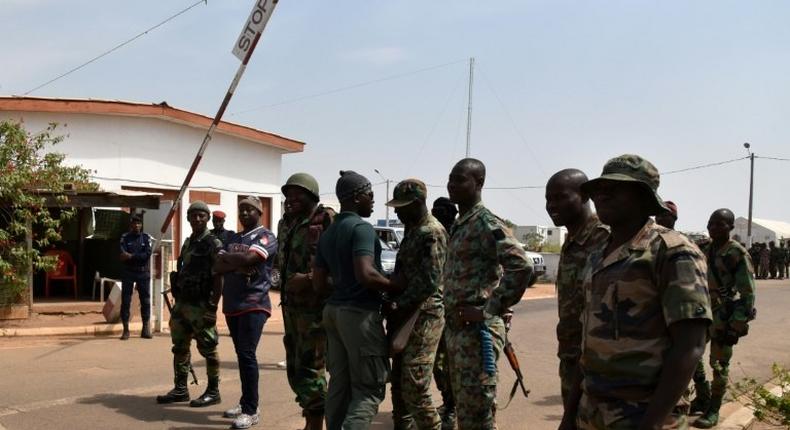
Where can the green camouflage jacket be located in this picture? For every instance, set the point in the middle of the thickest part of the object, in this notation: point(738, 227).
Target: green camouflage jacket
point(570, 296)
point(730, 272)
point(632, 296)
point(421, 258)
point(297, 241)
point(486, 266)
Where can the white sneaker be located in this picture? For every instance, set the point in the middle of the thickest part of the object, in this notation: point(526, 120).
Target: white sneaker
point(233, 412)
point(245, 421)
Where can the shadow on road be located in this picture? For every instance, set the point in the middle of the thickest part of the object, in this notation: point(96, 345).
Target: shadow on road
point(145, 409)
point(550, 401)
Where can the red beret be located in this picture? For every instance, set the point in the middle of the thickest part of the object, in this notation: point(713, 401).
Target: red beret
point(218, 214)
point(673, 208)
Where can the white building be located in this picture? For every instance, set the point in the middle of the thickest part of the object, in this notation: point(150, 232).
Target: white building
point(554, 236)
point(150, 147)
point(763, 230)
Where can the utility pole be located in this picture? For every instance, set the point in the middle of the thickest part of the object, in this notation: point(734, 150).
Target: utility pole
point(386, 208)
point(469, 107)
point(751, 193)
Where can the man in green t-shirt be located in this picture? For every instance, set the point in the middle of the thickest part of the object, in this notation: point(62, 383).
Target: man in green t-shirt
point(349, 251)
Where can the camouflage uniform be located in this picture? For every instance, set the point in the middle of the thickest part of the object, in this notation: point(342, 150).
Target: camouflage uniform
point(195, 311)
point(420, 262)
point(486, 267)
point(305, 337)
point(632, 296)
point(730, 271)
point(570, 297)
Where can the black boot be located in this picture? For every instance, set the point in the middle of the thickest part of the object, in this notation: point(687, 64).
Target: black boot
point(210, 397)
point(447, 412)
point(146, 332)
point(711, 417)
point(125, 334)
point(702, 398)
point(179, 393)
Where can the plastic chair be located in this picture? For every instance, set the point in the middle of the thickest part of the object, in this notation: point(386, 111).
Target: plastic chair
point(65, 270)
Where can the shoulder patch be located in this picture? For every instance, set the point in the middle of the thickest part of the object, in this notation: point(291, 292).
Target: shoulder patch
point(673, 239)
point(498, 234)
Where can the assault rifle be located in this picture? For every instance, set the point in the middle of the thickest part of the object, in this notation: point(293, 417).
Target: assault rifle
point(510, 353)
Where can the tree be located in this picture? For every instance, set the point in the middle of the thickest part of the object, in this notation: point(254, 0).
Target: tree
point(534, 242)
point(28, 168)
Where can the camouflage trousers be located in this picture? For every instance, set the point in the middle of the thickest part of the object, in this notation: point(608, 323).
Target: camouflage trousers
point(305, 356)
point(720, 356)
point(616, 414)
point(474, 389)
point(412, 405)
point(441, 374)
point(193, 321)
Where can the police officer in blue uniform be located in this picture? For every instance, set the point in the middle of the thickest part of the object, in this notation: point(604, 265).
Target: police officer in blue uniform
point(135, 256)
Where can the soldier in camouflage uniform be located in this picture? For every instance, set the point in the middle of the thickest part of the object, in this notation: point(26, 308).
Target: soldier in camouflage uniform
point(418, 272)
point(774, 258)
point(305, 337)
point(197, 291)
point(731, 285)
point(781, 259)
point(444, 211)
point(646, 311)
point(568, 206)
point(487, 271)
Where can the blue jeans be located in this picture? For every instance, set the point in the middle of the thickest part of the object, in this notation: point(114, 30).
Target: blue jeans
point(129, 280)
point(246, 330)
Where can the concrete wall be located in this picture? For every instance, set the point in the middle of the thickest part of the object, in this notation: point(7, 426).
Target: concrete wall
point(154, 153)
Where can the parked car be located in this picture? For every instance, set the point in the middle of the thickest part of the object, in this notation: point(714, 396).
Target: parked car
point(392, 236)
point(538, 264)
point(388, 256)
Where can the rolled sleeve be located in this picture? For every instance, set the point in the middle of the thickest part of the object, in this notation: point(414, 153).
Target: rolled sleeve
point(685, 295)
point(516, 271)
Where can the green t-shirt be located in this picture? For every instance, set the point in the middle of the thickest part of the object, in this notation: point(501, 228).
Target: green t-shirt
point(349, 236)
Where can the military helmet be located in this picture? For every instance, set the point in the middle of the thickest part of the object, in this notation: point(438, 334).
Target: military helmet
point(304, 181)
point(198, 205)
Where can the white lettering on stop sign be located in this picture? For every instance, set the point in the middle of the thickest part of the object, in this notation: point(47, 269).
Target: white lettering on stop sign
point(255, 24)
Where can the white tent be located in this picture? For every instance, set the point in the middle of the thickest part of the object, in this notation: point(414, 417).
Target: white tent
point(763, 230)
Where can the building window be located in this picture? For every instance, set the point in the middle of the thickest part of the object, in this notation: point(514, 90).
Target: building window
point(209, 197)
point(549, 232)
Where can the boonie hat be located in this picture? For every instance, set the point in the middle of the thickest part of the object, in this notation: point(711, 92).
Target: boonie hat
point(406, 192)
point(631, 168)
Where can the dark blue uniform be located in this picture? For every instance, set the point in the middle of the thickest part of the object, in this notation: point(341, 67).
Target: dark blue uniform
point(136, 271)
point(223, 235)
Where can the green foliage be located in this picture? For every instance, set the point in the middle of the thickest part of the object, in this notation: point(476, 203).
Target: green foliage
point(768, 407)
point(27, 167)
point(533, 242)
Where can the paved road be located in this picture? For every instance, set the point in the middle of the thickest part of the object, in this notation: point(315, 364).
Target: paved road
point(102, 383)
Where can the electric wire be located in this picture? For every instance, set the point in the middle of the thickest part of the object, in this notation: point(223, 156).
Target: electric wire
point(772, 158)
point(512, 121)
point(345, 88)
point(703, 166)
point(116, 47)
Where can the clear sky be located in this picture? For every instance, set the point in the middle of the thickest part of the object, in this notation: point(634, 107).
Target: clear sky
point(557, 84)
